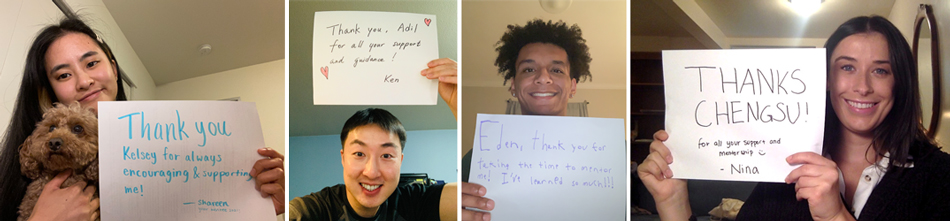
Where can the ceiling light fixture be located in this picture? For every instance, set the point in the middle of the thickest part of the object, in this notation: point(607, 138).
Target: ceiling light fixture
point(204, 49)
point(805, 7)
point(555, 6)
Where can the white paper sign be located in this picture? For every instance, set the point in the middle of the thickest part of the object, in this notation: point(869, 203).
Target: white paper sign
point(551, 168)
point(373, 58)
point(180, 160)
point(737, 114)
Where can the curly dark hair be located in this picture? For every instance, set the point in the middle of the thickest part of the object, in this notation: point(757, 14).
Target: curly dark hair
point(537, 30)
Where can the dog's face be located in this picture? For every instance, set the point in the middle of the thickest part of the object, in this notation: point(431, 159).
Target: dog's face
point(67, 138)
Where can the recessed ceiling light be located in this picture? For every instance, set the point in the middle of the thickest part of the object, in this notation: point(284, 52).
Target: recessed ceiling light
point(204, 49)
point(555, 6)
point(805, 7)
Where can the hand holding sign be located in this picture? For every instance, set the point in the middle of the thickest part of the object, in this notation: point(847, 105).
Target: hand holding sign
point(735, 114)
point(669, 193)
point(269, 176)
point(473, 197)
point(373, 57)
point(817, 181)
point(446, 70)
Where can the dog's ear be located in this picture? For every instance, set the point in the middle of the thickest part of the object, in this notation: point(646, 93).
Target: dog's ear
point(28, 166)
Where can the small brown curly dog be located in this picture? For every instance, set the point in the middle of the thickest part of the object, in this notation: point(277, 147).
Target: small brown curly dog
point(66, 139)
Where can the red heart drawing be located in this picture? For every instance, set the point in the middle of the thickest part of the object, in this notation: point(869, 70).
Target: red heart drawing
point(428, 21)
point(325, 70)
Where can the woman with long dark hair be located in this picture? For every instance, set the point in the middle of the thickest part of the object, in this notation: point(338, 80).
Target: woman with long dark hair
point(878, 163)
point(69, 63)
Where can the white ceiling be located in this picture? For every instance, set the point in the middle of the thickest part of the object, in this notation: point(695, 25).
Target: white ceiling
point(166, 34)
point(742, 20)
point(775, 19)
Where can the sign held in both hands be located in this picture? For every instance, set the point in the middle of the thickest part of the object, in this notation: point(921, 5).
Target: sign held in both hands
point(737, 114)
point(180, 160)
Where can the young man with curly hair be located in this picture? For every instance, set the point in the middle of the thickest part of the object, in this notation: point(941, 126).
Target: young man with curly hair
point(544, 61)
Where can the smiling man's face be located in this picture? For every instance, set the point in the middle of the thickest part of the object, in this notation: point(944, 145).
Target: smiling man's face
point(543, 82)
point(371, 158)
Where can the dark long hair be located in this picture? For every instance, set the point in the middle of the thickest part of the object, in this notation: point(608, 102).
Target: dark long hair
point(901, 133)
point(35, 96)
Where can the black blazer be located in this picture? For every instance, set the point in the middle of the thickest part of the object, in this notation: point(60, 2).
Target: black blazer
point(918, 193)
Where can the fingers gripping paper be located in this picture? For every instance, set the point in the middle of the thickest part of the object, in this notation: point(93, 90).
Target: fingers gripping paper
point(362, 58)
point(180, 160)
point(737, 114)
point(551, 168)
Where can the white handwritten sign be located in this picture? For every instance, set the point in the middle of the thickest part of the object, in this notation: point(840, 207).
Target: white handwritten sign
point(551, 168)
point(737, 114)
point(180, 160)
point(363, 58)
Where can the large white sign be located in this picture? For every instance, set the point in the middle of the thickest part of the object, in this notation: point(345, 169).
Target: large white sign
point(551, 168)
point(737, 114)
point(180, 160)
point(373, 58)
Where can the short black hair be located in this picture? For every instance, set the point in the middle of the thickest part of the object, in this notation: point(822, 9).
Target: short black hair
point(538, 31)
point(378, 117)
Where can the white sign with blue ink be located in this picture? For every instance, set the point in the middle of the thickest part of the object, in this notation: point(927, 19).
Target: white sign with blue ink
point(551, 168)
point(737, 114)
point(180, 160)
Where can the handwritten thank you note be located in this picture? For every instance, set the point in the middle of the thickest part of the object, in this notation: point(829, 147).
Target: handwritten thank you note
point(551, 168)
point(363, 58)
point(737, 114)
point(180, 160)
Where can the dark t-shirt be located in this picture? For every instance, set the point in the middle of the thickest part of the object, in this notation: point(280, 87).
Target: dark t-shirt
point(410, 202)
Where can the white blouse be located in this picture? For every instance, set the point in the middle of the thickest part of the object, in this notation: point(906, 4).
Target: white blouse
point(870, 177)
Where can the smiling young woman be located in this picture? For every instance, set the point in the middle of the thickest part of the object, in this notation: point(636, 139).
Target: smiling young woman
point(87, 71)
point(66, 63)
point(878, 165)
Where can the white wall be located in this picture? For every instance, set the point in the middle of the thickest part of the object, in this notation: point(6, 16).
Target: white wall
point(262, 84)
point(96, 15)
point(22, 20)
point(903, 15)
